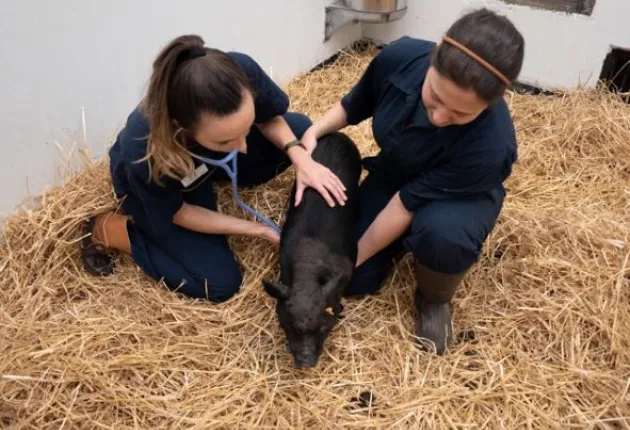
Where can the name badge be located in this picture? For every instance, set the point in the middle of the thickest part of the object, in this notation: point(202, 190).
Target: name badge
point(198, 173)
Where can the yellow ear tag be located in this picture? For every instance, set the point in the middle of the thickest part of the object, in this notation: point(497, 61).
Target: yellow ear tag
point(329, 311)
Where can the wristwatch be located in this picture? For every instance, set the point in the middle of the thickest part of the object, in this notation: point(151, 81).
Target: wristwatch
point(293, 143)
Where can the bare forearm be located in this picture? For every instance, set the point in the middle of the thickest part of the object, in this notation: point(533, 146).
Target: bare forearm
point(334, 119)
point(203, 220)
point(279, 133)
point(388, 226)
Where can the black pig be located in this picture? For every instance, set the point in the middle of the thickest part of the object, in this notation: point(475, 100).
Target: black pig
point(318, 252)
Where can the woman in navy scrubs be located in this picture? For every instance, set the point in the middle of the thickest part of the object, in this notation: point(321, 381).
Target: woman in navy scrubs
point(204, 102)
point(447, 145)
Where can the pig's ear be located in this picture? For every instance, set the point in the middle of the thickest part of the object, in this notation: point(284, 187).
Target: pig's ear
point(332, 284)
point(276, 289)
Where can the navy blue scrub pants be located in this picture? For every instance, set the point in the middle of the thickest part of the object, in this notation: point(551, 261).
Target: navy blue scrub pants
point(202, 265)
point(445, 236)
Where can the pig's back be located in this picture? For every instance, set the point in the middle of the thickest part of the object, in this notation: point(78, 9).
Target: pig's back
point(339, 153)
point(335, 227)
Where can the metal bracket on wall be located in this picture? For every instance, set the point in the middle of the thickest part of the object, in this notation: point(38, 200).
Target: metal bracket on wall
point(371, 11)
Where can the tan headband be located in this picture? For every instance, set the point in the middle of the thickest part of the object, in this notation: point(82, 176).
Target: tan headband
point(480, 60)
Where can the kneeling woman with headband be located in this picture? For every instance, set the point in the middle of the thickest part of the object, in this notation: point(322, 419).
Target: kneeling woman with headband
point(447, 145)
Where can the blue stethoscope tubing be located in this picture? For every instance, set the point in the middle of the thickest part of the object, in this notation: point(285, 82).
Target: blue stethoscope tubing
point(232, 173)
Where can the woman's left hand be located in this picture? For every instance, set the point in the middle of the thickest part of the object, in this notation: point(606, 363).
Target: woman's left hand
point(310, 173)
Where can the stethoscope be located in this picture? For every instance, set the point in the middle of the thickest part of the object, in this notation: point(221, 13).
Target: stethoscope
point(232, 173)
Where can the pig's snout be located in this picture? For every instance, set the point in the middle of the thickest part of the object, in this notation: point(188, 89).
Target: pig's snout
point(305, 362)
point(305, 353)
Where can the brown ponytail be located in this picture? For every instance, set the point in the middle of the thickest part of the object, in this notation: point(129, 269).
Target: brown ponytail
point(187, 81)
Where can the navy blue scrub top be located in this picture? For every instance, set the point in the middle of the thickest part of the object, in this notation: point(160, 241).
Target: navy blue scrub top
point(424, 161)
point(161, 202)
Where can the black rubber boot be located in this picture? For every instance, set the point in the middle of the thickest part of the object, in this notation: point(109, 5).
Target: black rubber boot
point(433, 306)
point(95, 260)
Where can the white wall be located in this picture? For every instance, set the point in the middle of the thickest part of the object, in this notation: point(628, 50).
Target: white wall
point(59, 56)
point(561, 50)
point(613, 21)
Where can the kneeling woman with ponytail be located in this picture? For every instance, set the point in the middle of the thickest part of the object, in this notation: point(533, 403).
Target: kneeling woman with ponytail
point(200, 102)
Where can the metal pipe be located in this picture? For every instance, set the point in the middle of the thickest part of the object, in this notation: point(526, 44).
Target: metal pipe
point(371, 11)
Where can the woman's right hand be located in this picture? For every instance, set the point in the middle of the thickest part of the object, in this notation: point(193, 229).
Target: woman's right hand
point(267, 233)
point(202, 220)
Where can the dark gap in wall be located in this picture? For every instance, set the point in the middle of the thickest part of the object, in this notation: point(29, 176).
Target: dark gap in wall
point(581, 7)
point(615, 75)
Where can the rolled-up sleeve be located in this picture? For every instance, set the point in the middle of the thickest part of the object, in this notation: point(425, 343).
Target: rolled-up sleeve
point(159, 201)
point(471, 172)
point(270, 101)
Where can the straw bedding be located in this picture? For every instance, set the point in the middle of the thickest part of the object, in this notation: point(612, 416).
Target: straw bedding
point(542, 322)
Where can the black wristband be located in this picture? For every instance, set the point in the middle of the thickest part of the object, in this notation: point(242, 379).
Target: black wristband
point(292, 144)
